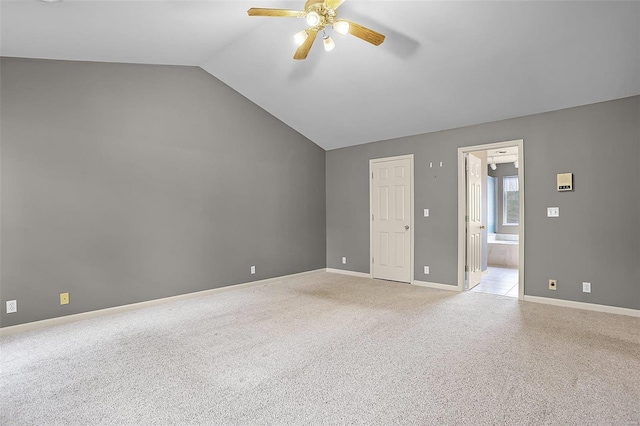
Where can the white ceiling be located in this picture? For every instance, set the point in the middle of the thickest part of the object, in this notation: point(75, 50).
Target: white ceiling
point(443, 64)
point(502, 155)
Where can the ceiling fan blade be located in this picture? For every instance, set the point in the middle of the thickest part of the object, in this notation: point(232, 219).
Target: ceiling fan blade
point(333, 4)
point(259, 11)
point(365, 33)
point(305, 47)
point(309, 3)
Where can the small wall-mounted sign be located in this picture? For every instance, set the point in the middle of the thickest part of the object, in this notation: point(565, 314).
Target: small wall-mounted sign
point(565, 181)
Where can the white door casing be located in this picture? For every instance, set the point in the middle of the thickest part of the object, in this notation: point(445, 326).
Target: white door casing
point(391, 218)
point(474, 219)
point(462, 195)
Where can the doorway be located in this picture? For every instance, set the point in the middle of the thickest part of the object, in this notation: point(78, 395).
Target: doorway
point(491, 218)
point(391, 211)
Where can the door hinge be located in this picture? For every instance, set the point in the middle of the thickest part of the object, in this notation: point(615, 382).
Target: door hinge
point(466, 218)
point(373, 260)
point(372, 218)
point(466, 268)
point(371, 175)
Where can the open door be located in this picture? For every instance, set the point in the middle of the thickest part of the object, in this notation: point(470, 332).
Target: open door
point(470, 214)
point(474, 220)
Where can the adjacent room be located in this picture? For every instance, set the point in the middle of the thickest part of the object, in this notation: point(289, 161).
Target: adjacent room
point(319, 212)
point(500, 237)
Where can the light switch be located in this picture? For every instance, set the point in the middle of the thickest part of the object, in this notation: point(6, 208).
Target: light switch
point(553, 211)
point(426, 212)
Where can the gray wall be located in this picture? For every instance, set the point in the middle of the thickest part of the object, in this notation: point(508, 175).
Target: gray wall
point(504, 169)
point(595, 239)
point(125, 183)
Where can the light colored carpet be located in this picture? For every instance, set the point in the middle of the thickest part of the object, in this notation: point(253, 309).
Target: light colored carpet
point(329, 349)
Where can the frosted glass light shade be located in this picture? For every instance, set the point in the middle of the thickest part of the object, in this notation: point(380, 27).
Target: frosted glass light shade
point(341, 27)
point(313, 19)
point(329, 44)
point(300, 37)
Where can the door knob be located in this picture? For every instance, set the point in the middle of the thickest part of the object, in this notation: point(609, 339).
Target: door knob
point(406, 227)
point(482, 227)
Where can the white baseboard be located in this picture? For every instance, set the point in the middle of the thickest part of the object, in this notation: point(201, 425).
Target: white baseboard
point(21, 328)
point(436, 285)
point(582, 305)
point(345, 272)
point(35, 325)
point(418, 283)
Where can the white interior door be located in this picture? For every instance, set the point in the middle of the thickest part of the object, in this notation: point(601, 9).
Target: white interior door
point(391, 219)
point(474, 222)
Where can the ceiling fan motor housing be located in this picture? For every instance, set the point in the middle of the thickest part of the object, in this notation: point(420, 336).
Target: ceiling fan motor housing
point(326, 14)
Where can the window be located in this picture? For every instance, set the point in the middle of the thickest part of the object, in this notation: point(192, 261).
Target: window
point(510, 200)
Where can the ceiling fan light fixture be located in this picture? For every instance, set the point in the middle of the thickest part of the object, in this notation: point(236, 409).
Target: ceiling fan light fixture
point(329, 44)
point(313, 18)
point(341, 27)
point(319, 15)
point(300, 37)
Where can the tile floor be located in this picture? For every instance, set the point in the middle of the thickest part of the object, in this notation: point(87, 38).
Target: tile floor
point(502, 281)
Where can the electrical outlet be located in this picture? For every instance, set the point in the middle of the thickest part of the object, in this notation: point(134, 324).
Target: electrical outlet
point(344, 260)
point(64, 298)
point(426, 212)
point(426, 270)
point(253, 270)
point(553, 284)
point(12, 306)
point(586, 287)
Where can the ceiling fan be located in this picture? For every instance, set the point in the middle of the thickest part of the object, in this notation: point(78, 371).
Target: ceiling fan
point(320, 14)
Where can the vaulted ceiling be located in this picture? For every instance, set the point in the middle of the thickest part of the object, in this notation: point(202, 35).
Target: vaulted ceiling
point(443, 64)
